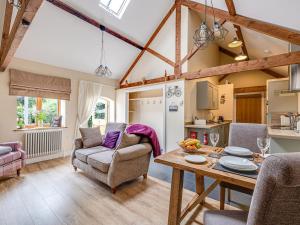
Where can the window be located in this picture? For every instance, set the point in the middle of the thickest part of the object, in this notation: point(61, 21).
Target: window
point(100, 115)
point(115, 7)
point(30, 108)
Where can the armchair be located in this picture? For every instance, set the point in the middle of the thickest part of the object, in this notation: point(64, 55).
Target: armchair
point(12, 162)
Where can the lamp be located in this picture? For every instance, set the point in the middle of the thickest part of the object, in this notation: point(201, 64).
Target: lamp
point(103, 70)
point(241, 57)
point(15, 3)
point(235, 43)
point(219, 31)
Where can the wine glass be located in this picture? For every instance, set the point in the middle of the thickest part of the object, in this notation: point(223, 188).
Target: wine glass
point(214, 138)
point(263, 144)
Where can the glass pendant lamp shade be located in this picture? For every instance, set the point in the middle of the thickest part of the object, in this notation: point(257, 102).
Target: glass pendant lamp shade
point(203, 36)
point(241, 57)
point(219, 31)
point(235, 43)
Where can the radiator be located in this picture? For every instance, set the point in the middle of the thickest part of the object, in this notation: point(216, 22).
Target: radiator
point(43, 145)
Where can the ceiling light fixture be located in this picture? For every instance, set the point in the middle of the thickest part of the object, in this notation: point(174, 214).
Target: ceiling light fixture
point(204, 34)
point(15, 3)
point(103, 70)
point(241, 57)
point(235, 43)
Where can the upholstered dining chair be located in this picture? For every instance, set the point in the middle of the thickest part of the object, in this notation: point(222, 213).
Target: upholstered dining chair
point(242, 135)
point(276, 197)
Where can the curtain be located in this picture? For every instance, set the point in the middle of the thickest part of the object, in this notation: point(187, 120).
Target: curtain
point(35, 85)
point(88, 95)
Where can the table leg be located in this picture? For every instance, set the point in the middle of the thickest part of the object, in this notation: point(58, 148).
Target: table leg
point(200, 185)
point(175, 197)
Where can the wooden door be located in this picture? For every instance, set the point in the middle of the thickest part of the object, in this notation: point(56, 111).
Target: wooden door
point(249, 108)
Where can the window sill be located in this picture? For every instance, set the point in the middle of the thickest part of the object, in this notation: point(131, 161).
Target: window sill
point(40, 128)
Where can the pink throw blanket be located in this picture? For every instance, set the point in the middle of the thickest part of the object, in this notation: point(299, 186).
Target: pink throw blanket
point(143, 130)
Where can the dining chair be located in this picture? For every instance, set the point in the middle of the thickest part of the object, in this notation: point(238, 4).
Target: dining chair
point(276, 197)
point(242, 135)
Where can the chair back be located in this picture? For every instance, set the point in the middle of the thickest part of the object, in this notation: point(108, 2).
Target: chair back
point(245, 135)
point(276, 198)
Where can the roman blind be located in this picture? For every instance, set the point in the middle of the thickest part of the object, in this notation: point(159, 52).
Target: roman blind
point(29, 84)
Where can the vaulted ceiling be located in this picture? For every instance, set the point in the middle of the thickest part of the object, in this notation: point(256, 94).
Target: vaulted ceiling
point(58, 38)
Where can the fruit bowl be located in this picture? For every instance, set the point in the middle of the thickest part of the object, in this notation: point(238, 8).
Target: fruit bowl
point(190, 145)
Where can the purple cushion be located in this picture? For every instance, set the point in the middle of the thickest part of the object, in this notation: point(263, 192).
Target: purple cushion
point(111, 139)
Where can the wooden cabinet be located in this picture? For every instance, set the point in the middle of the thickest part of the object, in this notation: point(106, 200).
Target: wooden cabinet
point(207, 95)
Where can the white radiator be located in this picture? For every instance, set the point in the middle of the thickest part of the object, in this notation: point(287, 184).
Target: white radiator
point(43, 145)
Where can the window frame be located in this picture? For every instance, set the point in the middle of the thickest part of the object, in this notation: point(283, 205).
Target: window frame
point(121, 10)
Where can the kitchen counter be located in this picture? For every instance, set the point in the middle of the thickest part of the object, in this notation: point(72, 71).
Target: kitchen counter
point(207, 126)
point(284, 134)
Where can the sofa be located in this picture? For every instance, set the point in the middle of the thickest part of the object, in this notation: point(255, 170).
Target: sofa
point(12, 162)
point(113, 166)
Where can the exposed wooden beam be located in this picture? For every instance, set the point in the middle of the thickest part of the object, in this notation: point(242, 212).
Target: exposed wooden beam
point(6, 26)
point(230, 7)
point(233, 55)
point(162, 23)
point(178, 67)
point(194, 50)
point(26, 13)
point(250, 89)
point(163, 58)
point(257, 64)
point(273, 30)
point(150, 81)
point(93, 22)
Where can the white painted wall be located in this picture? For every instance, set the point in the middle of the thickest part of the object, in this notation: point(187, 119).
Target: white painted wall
point(9, 103)
point(227, 109)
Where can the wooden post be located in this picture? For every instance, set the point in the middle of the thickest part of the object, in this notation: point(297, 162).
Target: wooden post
point(177, 69)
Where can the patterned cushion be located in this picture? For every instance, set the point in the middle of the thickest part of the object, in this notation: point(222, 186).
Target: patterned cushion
point(115, 127)
point(101, 161)
point(91, 137)
point(82, 154)
point(128, 140)
point(7, 158)
point(5, 149)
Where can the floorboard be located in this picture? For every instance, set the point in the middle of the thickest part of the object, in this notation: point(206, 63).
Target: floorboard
point(52, 193)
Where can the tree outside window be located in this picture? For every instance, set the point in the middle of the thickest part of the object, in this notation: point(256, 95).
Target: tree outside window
point(99, 118)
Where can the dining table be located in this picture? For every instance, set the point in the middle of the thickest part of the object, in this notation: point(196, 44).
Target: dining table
point(176, 160)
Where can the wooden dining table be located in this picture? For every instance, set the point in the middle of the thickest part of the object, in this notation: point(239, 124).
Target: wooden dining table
point(175, 159)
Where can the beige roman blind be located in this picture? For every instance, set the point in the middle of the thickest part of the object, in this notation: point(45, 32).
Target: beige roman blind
point(35, 85)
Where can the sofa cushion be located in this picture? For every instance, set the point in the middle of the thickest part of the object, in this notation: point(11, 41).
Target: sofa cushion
point(101, 161)
point(5, 149)
point(232, 217)
point(128, 140)
point(10, 157)
point(115, 127)
point(91, 137)
point(111, 139)
point(82, 154)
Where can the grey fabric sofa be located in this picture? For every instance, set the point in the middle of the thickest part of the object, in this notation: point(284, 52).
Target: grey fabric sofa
point(113, 167)
point(276, 198)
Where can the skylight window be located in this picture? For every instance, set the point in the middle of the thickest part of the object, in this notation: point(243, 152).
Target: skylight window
point(115, 7)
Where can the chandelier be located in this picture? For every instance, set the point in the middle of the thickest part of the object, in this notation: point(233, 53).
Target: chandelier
point(103, 70)
point(204, 34)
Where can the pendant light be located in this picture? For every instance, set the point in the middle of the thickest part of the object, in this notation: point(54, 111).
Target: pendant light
point(219, 31)
point(235, 43)
point(203, 35)
point(15, 3)
point(241, 57)
point(103, 70)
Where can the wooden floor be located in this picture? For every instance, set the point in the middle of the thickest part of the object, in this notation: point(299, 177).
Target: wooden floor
point(51, 193)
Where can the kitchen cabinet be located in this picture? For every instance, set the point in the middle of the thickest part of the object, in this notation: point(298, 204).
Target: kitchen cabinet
point(207, 95)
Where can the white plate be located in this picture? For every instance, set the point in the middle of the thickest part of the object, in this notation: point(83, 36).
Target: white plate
point(239, 151)
point(195, 158)
point(237, 163)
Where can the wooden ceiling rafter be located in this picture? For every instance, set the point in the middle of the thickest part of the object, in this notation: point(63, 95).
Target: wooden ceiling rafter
point(273, 30)
point(6, 26)
point(25, 13)
point(178, 65)
point(153, 36)
point(233, 55)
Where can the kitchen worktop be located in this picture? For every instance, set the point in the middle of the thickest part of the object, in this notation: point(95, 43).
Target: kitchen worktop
point(284, 134)
point(207, 126)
